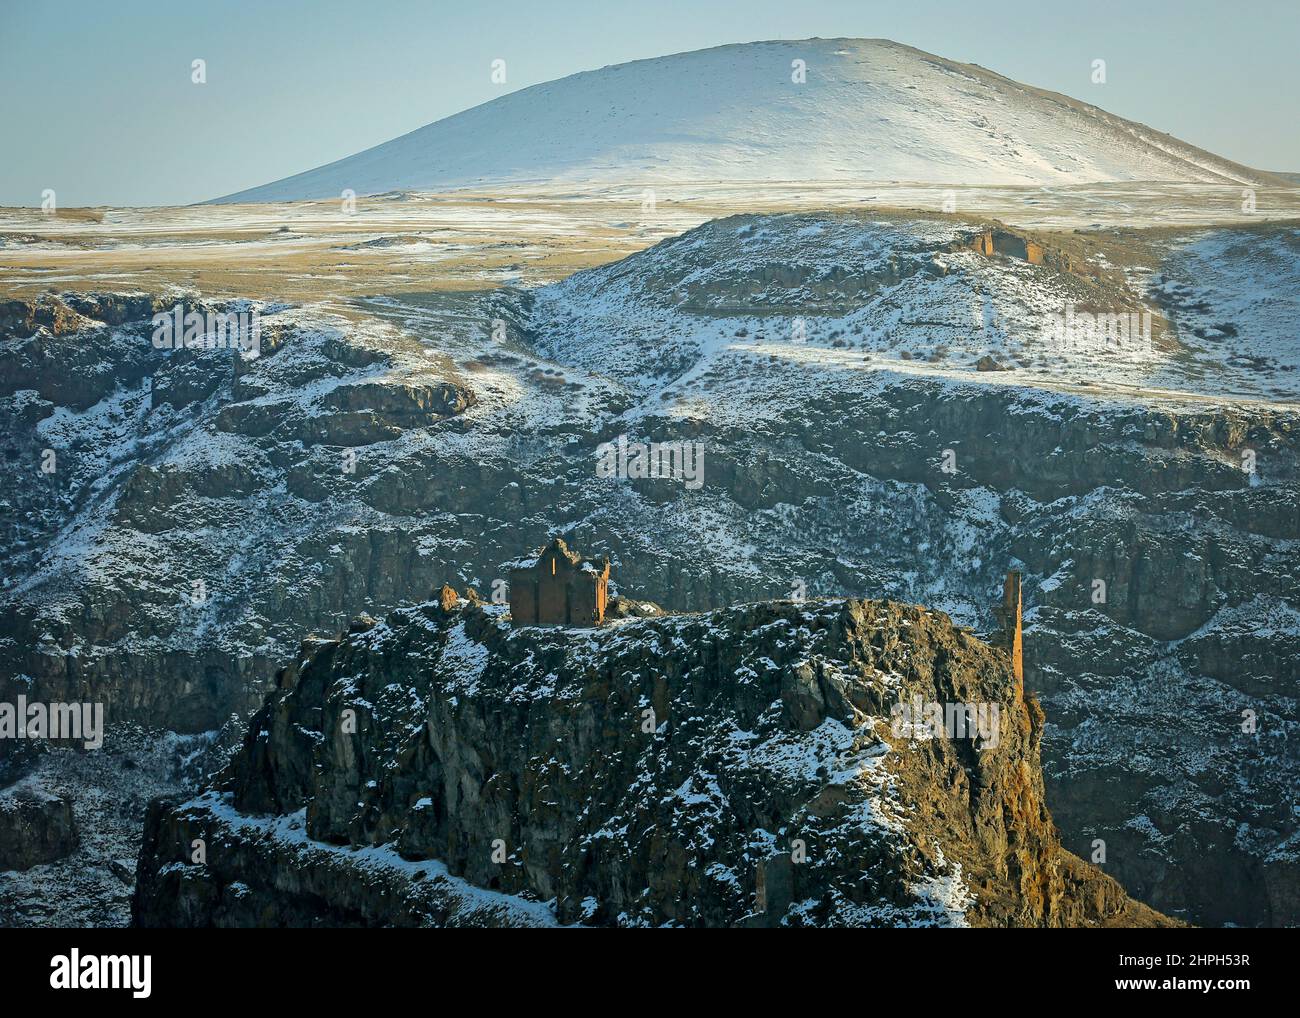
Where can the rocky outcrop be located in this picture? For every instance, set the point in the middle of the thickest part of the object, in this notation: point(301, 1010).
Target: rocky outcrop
point(86, 880)
point(742, 767)
point(23, 318)
point(212, 434)
point(35, 828)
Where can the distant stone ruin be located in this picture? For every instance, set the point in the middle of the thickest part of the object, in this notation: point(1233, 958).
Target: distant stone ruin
point(559, 588)
point(1004, 242)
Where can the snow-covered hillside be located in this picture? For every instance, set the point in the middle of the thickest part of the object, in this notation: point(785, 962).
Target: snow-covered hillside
point(817, 298)
point(866, 109)
point(882, 411)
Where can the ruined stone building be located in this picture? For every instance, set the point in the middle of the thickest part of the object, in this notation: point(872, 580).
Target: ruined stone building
point(992, 242)
point(559, 588)
point(1008, 616)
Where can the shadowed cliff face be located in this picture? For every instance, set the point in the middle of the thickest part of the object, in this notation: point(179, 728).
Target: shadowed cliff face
point(740, 767)
point(34, 828)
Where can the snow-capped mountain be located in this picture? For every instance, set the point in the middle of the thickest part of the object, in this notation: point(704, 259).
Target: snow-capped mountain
point(811, 109)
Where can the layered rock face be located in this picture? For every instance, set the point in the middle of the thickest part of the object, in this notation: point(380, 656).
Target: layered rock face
point(35, 828)
point(70, 825)
point(138, 568)
point(739, 767)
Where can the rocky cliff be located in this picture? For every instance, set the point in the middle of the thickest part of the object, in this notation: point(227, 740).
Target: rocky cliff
point(207, 511)
point(35, 827)
point(740, 767)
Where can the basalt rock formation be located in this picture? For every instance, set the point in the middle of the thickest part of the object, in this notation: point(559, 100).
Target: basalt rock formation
point(35, 827)
point(206, 511)
point(739, 767)
point(106, 506)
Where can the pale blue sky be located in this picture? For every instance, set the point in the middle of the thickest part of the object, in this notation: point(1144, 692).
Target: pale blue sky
point(96, 99)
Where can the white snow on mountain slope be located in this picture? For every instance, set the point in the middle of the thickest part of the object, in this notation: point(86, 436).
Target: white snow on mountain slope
point(699, 329)
point(743, 317)
point(869, 109)
point(1235, 295)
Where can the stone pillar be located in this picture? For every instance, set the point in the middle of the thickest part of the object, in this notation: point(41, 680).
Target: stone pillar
point(1012, 606)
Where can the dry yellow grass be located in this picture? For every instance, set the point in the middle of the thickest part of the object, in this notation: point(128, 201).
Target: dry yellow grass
point(307, 251)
